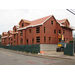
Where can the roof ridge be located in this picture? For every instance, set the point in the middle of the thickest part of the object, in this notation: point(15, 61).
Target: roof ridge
point(41, 18)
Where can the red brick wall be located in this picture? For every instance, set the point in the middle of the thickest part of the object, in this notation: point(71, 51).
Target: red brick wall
point(68, 34)
point(49, 32)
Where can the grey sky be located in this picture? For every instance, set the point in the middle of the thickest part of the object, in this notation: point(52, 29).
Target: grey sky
point(11, 17)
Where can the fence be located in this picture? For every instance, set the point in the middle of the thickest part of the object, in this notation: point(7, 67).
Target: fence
point(74, 44)
point(69, 50)
point(23, 48)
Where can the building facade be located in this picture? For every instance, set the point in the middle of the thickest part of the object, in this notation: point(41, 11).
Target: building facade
point(46, 30)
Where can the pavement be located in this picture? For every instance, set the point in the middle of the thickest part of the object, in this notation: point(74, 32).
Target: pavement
point(57, 55)
point(48, 54)
point(11, 57)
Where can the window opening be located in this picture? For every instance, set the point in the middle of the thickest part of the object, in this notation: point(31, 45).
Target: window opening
point(51, 22)
point(44, 30)
point(37, 39)
point(38, 30)
point(21, 33)
point(22, 24)
point(49, 39)
point(32, 40)
point(29, 30)
point(21, 41)
point(44, 38)
point(27, 41)
point(54, 31)
point(60, 31)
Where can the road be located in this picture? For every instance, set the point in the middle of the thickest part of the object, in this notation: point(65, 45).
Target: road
point(10, 57)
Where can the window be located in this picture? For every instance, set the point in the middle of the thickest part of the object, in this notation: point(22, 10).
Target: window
point(15, 30)
point(66, 24)
point(49, 39)
point(21, 33)
point(22, 24)
point(67, 40)
point(44, 30)
point(59, 39)
point(27, 41)
point(9, 33)
point(11, 39)
point(51, 22)
point(38, 30)
point(64, 39)
point(21, 41)
point(37, 39)
point(29, 30)
point(14, 36)
point(63, 31)
point(32, 40)
point(14, 42)
point(54, 31)
point(60, 31)
point(44, 38)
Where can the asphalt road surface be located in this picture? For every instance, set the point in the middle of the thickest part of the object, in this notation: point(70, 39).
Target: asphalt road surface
point(10, 57)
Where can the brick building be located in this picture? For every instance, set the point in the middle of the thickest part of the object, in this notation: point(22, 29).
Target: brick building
point(46, 30)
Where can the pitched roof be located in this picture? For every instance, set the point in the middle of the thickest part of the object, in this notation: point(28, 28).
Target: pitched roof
point(10, 31)
point(16, 26)
point(41, 21)
point(5, 32)
point(26, 21)
point(36, 22)
point(62, 21)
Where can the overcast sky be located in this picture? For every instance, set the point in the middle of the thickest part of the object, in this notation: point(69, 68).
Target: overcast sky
point(11, 17)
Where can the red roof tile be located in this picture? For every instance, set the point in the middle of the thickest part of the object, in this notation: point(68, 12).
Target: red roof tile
point(16, 26)
point(63, 20)
point(39, 21)
point(10, 31)
point(5, 32)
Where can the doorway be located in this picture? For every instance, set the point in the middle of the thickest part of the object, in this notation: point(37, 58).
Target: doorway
point(27, 41)
point(59, 39)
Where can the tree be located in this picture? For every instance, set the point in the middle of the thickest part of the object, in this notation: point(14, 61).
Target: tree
point(0, 36)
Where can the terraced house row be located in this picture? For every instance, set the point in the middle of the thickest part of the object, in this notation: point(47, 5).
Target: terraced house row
point(46, 30)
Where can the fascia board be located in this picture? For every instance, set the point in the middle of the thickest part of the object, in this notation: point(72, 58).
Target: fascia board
point(21, 28)
point(37, 25)
point(10, 36)
point(5, 37)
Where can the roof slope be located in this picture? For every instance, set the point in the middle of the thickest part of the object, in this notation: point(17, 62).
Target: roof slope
point(5, 32)
point(62, 21)
point(36, 22)
point(10, 31)
point(41, 21)
point(16, 26)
